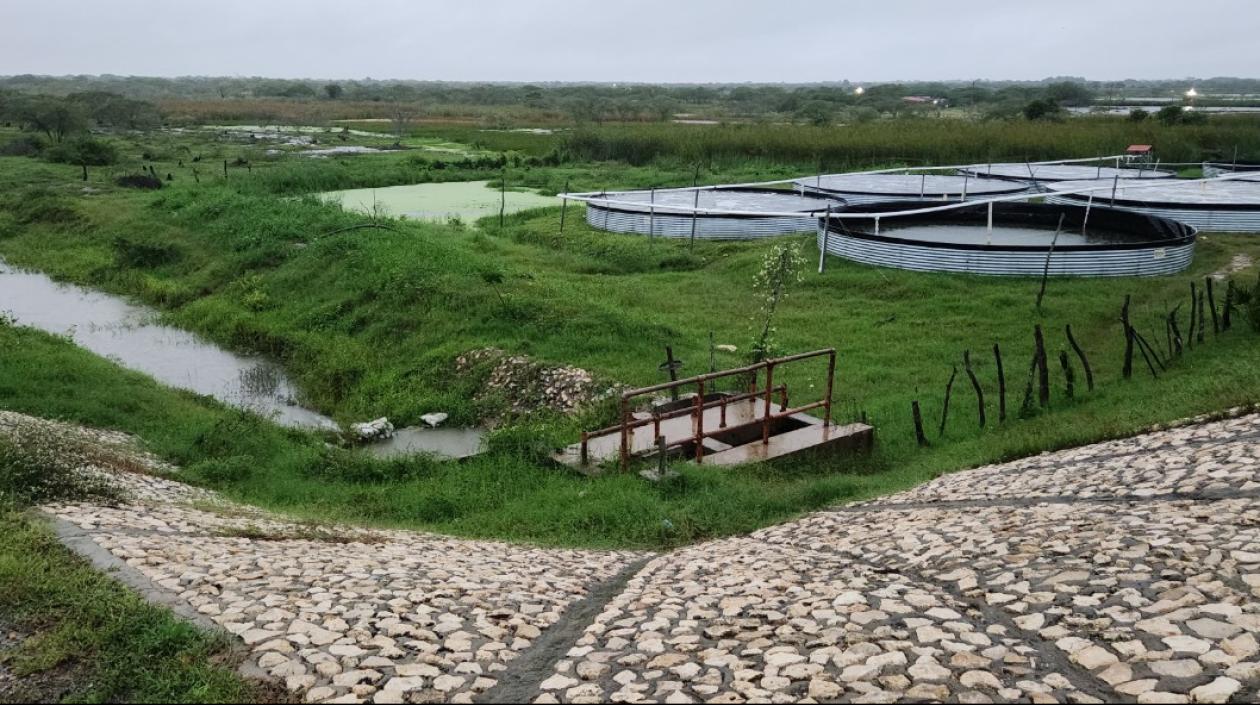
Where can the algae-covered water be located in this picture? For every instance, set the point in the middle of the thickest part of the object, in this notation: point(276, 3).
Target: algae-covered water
point(466, 200)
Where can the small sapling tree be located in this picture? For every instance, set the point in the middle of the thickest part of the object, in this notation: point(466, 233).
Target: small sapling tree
point(781, 267)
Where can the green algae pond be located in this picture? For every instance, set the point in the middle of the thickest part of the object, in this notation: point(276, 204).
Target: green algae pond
point(466, 200)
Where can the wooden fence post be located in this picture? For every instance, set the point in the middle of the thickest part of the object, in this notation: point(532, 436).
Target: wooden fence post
point(1068, 374)
point(975, 384)
point(918, 424)
point(1043, 376)
point(1211, 297)
point(1089, 373)
point(949, 386)
point(997, 356)
point(1128, 339)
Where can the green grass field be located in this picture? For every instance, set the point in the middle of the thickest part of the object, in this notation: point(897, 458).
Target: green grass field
point(369, 322)
point(75, 635)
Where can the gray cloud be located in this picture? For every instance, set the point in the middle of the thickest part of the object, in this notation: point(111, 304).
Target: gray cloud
point(641, 40)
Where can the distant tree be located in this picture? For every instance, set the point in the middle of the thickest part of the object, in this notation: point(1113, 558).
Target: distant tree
point(400, 117)
point(1170, 114)
point(1138, 115)
point(55, 117)
point(1042, 110)
point(816, 112)
point(1193, 117)
point(333, 91)
point(863, 114)
point(113, 110)
point(298, 90)
point(533, 96)
point(83, 151)
point(1069, 93)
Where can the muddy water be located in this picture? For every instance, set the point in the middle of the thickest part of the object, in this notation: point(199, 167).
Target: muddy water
point(130, 336)
point(467, 200)
point(446, 442)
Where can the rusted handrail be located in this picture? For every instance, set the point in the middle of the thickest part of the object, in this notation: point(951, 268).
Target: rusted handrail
point(782, 413)
point(697, 410)
point(684, 411)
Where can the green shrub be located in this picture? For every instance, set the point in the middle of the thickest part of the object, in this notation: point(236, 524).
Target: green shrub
point(24, 146)
point(41, 206)
point(38, 466)
point(143, 255)
point(83, 151)
point(140, 181)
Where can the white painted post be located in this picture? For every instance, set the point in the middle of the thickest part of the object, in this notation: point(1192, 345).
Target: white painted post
point(1088, 205)
point(822, 251)
point(652, 216)
point(695, 207)
point(989, 238)
point(966, 180)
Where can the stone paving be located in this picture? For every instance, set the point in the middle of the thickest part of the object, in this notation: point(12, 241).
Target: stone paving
point(340, 614)
point(1121, 571)
point(1126, 570)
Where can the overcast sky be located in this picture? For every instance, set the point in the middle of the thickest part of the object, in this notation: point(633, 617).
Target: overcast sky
point(634, 40)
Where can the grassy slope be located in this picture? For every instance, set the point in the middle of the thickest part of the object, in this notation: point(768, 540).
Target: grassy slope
point(368, 323)
point(85, 638)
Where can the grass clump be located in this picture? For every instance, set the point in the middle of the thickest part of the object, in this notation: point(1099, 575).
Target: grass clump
point(82, 637)
point(38, 466)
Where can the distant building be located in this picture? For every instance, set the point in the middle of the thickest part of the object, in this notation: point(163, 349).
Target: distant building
point(1139, 153)
point(925, 100)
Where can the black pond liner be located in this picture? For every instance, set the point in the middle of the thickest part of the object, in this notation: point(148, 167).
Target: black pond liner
point(1118, 243)
point(672, 214)
point(1214, 169)
point(1231, 206)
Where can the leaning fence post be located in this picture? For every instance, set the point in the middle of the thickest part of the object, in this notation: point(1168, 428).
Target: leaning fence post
point(949, 386)
point(1043, 376)
point(997, 356)
point(1127, 371)
point(918, 424)
point(1068, 374)
point(1089, 373)
point(1194, 309)
point(975, 384)
point(1199, 333)
point(1229, 304)
point(1211, 297)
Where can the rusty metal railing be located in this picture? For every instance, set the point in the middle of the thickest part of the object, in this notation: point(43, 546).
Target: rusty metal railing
point(697, 409)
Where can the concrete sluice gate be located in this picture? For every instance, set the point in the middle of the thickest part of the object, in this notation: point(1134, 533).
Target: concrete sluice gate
point(1110, 243)
point(1039, 176)
point(1217, 206)
point(857, 189)
point(680, 213)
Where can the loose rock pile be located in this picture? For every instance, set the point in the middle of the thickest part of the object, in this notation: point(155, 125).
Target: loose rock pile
point(530, 386)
